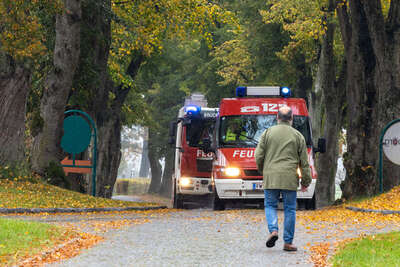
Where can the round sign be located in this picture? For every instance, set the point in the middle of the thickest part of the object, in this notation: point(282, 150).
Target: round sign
point(77, 134)
point(391, 143)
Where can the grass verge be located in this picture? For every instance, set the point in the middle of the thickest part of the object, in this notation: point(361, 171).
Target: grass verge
point(375, 250)
point(21, 239)
point(25, 194)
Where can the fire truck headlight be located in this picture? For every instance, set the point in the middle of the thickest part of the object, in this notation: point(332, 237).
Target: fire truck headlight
point(184, 182)
point(232, 172)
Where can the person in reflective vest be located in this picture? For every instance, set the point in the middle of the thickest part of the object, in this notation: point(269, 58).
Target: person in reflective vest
point(234, 133)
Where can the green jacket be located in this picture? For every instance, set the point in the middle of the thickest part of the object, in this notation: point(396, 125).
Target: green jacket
point(281, 150)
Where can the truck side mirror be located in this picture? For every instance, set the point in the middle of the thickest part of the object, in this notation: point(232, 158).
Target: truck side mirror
point(206, 146)
point(321, 145)
point(172, 131)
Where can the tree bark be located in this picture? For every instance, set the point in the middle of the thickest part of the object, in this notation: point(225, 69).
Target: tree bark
point(327, 162)
point(385, 38)
point(155, 166)
point(144, 163)
point(57, 86)
point(373, 74)
point(166, 184)
point(14, 88)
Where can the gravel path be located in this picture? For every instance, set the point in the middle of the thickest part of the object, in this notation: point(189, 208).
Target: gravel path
point(198, 237)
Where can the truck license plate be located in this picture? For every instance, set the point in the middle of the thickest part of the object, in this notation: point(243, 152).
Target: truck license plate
point(257, 186)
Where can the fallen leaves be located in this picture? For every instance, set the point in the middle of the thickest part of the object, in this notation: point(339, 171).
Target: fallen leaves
point(24, 194)
point(337, 223)
point(387, 201)
point(319, 254)
point(68, 249)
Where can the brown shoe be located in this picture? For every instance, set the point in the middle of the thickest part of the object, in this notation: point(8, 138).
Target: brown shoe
point(272, 239)
point(289, 247)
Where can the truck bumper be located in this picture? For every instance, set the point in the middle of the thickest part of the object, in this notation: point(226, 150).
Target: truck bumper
point(251, 189)
point(195, 186)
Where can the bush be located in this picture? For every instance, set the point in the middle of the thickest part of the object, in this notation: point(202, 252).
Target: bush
point(54, 174)
point(19, 171)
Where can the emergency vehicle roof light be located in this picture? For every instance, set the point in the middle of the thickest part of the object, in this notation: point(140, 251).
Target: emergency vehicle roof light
point(192, 109)
point(258, 91)
point(285, 92)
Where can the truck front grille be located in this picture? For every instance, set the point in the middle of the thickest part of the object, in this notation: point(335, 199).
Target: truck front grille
point(252, 173)
point(204, 165)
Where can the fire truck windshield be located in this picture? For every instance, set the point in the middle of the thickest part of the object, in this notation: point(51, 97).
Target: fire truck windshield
point(246, 130)
point(199, 130)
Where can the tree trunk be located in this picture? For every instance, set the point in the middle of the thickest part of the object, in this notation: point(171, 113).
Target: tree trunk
point(57, 86)
point(155, 166)
point(14, 88)
point(385, 37)
point(327, 162)
point(109, 155)
point(362, 99)
point(144, 163)
point(166, 184)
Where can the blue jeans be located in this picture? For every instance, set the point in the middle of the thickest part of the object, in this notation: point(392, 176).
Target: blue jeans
point(289, 205)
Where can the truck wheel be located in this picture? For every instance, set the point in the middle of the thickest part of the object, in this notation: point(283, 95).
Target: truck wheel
point(217, 203)
point(310, 203)
point(177, 200)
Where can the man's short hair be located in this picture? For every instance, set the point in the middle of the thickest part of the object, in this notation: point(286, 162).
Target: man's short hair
point(285, 113)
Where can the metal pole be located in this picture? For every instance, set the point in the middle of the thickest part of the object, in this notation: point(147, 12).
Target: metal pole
point(381, 161)
point(94, 163)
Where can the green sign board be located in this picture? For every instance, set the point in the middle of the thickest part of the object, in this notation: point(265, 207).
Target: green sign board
point(76, 139)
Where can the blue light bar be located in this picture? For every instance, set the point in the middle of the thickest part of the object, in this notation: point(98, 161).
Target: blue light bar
point(285, 92)
point(241, 91)
point(257, 91)
point(192, 109)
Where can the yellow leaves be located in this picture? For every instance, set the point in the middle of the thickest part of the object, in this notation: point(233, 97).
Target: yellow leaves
point(22, 35)
point(387, 201)
point(22, 194)
point(68, 246)
point(319, 254)
point(235, 62)
point(304, 20)
point(142, 26)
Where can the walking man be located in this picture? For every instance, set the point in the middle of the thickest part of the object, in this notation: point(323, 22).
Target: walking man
point(281, 150)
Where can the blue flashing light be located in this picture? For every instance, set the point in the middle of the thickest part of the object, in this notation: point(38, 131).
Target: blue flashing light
point(241, 91)
point(285, 92)
point(192, 109)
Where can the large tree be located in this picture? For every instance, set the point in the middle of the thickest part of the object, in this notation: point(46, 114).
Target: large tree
point(371, 36)
point(311, 25)
point(57, 86)
point(22, 45)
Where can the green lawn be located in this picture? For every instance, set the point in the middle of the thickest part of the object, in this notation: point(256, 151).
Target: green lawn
point(19, 239)
point(377, 250)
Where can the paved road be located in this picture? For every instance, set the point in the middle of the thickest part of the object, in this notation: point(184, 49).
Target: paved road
point(198, 237)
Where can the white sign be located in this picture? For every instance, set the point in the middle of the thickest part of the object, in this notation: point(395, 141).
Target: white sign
point(391, 143)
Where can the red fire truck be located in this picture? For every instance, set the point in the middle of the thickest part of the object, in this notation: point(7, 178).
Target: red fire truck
point(191, 182)
point(239, 126)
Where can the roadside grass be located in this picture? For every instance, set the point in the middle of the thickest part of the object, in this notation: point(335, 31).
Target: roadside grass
point(20, 193)
point(21, 239)
point(376, 250)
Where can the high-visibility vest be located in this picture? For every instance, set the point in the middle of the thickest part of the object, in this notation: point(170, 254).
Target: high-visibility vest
point(231, 136)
